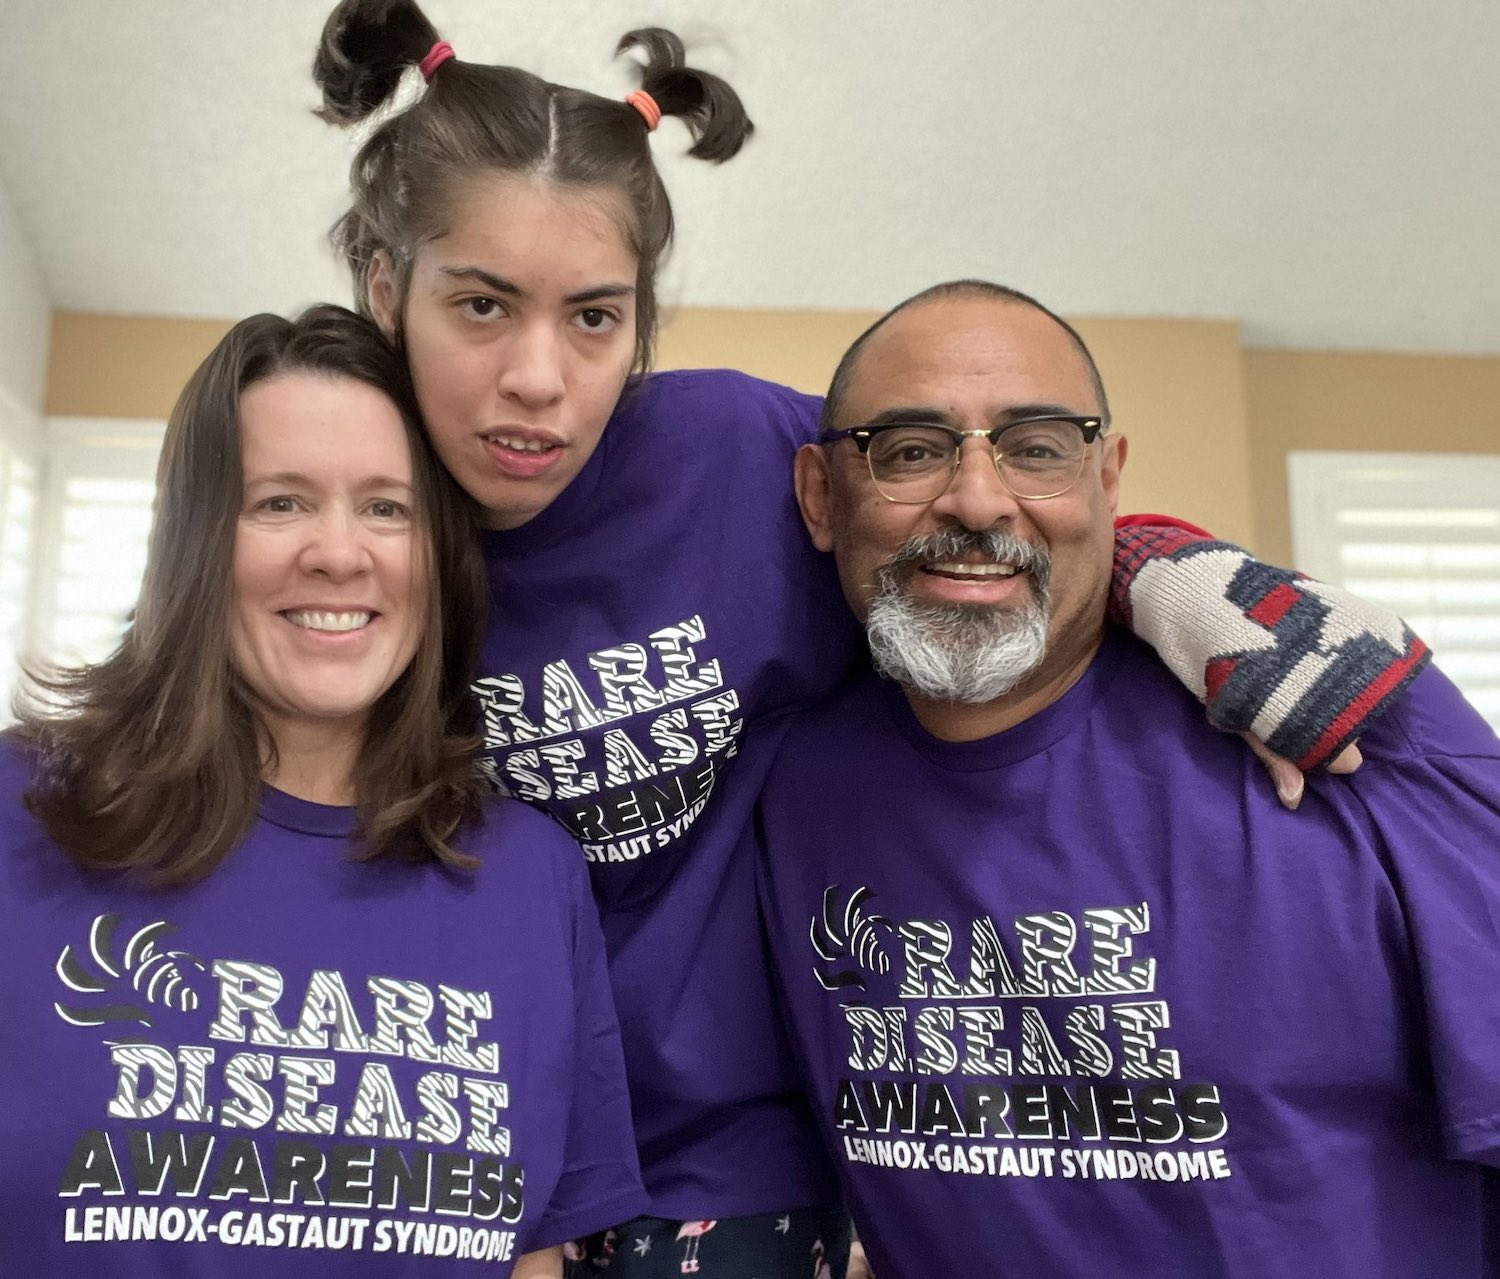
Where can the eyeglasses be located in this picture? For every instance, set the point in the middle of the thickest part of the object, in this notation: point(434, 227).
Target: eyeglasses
point(915, 462)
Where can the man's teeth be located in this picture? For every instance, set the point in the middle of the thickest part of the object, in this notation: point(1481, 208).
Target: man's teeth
point(975, 570)
point(521, 446)
point(329, 621)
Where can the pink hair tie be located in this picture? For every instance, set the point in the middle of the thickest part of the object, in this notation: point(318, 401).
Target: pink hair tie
point(436, 56)
point(646, 105)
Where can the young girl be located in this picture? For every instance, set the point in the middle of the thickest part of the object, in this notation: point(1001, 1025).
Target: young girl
point(278, 999)
point(657, 608)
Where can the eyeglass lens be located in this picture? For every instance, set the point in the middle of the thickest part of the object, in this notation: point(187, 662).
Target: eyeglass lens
point(1035, 459)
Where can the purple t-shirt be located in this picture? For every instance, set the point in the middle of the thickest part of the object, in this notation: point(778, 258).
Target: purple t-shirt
point(1083, 999)
point(647, 633)
point(303, 1064)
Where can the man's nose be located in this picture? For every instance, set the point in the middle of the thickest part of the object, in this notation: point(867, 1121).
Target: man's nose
point(976, 497)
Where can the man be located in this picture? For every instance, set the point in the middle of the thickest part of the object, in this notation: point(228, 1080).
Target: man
point(1076, 996)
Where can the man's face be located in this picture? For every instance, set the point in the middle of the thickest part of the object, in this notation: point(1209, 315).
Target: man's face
point(943, 570)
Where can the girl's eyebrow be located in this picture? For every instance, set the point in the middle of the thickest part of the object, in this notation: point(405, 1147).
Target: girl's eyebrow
point(499, 284)
point(487, 278)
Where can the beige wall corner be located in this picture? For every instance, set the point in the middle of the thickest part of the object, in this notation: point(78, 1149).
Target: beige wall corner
point(1328, 400)
point(130, 366)
point(1177, 392)
point(795, 348)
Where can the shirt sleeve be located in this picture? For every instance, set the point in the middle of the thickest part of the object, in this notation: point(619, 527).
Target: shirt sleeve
point(1436, 814)
point(1302, 665)
point(600, 1185)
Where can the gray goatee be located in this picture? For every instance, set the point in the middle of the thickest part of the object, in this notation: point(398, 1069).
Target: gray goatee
point(959, 652)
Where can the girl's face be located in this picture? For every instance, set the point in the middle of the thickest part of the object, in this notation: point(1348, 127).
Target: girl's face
point(520, 329)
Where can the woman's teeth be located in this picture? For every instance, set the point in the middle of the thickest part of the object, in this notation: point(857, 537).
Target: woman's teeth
point(329, 621)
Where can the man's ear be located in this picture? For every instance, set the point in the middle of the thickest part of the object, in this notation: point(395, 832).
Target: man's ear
point(814, 496)
point(380, 286)
point(1115, 449)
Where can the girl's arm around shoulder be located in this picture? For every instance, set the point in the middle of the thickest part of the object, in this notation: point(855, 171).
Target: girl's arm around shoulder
point(725, 405)
point(1304, 666)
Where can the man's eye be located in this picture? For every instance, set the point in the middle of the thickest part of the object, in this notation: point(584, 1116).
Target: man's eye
point(914, 453)
point(1035, 449)
point(909, 449)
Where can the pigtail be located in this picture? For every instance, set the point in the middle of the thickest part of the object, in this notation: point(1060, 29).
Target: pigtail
point(712, 111)
point(366, 47)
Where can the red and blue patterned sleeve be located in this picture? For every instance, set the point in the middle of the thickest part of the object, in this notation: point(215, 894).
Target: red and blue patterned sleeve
point(1302, 665)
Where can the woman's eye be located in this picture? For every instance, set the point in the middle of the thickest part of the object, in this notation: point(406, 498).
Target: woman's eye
point(386, 509)
point(277, 505)
point(481, 308)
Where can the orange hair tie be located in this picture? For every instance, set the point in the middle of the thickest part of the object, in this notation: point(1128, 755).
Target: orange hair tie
point(646, 105)
point(436, 56)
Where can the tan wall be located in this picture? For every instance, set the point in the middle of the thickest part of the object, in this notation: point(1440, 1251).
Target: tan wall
point(1210, 422)
point(1376, 403)
point(124, 365)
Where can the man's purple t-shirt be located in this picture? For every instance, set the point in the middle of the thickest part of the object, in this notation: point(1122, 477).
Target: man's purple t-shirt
point(305, 1064)
point(1082, 999)
point(647, 632)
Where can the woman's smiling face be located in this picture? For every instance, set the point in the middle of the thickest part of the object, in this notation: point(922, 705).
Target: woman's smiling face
point(330, 599)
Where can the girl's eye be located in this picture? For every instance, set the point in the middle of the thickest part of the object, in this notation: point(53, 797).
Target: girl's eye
point(481, 308)
point(596, 319)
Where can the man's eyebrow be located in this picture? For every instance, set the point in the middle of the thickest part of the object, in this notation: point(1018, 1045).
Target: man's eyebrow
point(1017, 411)
point(926, 415)
point(499, 284)
point(909, 415)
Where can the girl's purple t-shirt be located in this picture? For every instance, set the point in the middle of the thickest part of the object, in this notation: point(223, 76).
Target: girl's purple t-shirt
point(648, 632)
point(305, 1064)
point(1083, 999)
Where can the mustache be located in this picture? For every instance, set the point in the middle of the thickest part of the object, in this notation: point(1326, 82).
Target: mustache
point(996, 545)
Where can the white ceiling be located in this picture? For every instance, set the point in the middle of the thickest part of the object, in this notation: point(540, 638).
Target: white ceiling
point(1325, 171)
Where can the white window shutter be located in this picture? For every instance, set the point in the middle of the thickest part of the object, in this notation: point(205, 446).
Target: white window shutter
point(1420, 534)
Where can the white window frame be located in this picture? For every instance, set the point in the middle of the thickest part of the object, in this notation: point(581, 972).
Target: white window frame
point(1442, 498)
point(81, 448)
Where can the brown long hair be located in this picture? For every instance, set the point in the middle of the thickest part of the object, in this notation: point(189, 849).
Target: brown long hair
point(475, 119)
point(152, 760)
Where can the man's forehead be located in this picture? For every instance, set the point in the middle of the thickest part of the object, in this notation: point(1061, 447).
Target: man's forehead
point(963, 355)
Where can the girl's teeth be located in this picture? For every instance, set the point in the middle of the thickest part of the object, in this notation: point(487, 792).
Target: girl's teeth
point(523, 446)
point(329, 621)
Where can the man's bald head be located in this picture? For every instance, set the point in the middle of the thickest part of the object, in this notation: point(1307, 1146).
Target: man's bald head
point(952, 289)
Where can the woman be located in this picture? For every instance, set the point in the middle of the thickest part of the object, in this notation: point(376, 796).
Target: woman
point(297, 999)
point(660, 610)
